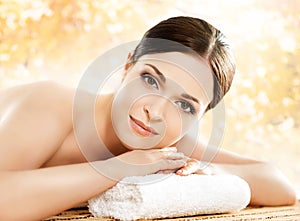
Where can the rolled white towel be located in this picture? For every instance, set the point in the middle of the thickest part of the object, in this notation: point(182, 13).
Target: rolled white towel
point(162, 196)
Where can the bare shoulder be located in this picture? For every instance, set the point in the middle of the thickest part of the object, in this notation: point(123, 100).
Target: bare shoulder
point(41, 98)
point(34, 120)
point(33, 91)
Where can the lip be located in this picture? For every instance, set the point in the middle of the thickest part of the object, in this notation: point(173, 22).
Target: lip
point(140, 128)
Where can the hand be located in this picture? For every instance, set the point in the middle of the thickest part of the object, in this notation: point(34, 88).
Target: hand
point(198, 167)
point(143, 162)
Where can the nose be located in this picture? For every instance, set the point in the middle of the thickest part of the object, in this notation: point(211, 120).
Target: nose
point(146, 109)
point(156, 110)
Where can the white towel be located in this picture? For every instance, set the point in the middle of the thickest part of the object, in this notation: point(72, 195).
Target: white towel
point(162, 196)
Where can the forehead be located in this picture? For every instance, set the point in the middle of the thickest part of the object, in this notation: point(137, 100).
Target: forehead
point(190, 72)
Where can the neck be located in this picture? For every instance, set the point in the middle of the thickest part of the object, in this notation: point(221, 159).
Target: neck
point(104, 124)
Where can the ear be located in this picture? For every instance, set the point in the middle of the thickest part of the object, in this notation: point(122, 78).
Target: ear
point(127, 66)
point(128, 63)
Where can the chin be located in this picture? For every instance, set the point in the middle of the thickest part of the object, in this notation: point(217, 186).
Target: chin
point(164, 144)
point(137, 148)
point(130, 146)
point(135, 142)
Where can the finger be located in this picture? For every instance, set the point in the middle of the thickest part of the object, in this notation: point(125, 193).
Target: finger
point(169, 153)
point(189, 168)
point(167, 149)
point(171, 164)
point(175, 156)
point(166, 171)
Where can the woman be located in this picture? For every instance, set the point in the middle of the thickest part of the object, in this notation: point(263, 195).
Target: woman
point(44, 153)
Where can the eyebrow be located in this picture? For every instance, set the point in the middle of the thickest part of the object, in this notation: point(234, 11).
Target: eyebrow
point(163, 79)
point(160, 75)
point(187, 96)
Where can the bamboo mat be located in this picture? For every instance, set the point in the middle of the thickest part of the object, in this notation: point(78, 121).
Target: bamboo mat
point(283, 213)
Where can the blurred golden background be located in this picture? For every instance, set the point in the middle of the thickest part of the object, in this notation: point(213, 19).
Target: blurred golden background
point(57, 40)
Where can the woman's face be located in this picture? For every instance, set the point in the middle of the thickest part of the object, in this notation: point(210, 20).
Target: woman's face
point(161, 96)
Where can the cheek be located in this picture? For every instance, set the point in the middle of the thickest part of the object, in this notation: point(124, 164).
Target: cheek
point(174, 124)
point(177, 126)
point(129, 95)
point(174, 130)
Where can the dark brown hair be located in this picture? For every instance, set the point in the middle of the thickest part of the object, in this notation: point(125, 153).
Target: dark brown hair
point(198, 36)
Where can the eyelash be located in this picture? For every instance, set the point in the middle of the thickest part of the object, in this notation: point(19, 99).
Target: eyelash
point(146, 77)
point(189, 110)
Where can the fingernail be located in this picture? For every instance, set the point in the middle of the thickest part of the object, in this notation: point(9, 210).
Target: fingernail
point(179, 172)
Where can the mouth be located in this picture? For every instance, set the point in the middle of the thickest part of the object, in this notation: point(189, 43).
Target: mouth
point(140, 128)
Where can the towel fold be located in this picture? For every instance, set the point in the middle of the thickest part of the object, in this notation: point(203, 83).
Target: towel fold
point(166, 196)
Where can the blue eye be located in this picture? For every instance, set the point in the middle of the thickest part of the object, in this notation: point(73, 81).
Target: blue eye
point(185, 107)
point(148, 79)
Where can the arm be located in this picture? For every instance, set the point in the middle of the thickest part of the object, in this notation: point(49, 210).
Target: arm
point(35, 120)
point(37, 194)
point(40, 193)
point(268, 185)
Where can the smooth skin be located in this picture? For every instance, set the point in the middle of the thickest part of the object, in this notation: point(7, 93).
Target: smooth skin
point(44, 172)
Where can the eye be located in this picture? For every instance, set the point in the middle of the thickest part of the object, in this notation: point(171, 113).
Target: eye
point(186, 107)
point(148, 79)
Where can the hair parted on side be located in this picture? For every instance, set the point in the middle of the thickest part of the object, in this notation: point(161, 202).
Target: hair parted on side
point(202, 38)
